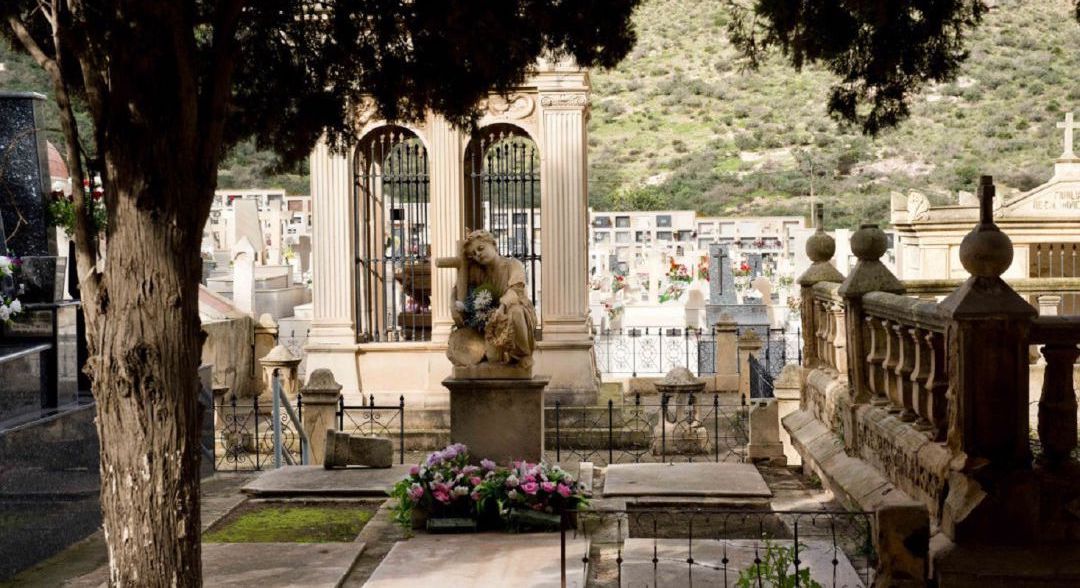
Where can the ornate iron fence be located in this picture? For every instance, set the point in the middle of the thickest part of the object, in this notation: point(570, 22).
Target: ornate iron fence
point(779, 346)
point(705, 427)
point(658, 546)
point(655, 350)
point(761, 381)
point(244, 435)
point(372, 420)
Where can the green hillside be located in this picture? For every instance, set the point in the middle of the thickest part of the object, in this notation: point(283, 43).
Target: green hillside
point(679, 125)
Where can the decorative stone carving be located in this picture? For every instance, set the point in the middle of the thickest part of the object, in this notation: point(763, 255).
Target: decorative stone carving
point(493, 317)
point(679, 429)
point(918, 206)
point(564, 100)
point(514, 106)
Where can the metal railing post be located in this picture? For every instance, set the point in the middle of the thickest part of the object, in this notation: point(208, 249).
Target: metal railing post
point(610, 440)
point(401, 433)
point(258, 440)
point(558, 445)
point(663, 428)
point(275, 392)
point(716, 425)
point(341, 413)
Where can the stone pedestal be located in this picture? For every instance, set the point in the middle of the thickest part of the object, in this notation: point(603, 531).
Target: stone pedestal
point(500, 420)
point(321, 396)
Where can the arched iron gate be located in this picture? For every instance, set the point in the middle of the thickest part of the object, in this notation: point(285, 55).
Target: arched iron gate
point(393, 265)
point(503, 196)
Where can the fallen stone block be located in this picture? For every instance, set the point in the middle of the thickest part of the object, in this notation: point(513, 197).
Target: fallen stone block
point(343, 450)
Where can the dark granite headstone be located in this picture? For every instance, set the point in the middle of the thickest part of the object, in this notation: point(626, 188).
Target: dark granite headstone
point(721, 279)
point(24, 175)
point(754, 261)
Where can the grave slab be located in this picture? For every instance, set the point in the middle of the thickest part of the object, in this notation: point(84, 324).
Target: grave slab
point(685, 479)
point(314, 480)
point(266, 565)
point(529, 560)
point(709, 569)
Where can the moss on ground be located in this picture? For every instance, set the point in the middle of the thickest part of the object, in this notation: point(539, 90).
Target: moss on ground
point(292, 523)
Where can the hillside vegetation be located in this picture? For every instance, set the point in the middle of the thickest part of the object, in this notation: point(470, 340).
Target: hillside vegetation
point(680, 125)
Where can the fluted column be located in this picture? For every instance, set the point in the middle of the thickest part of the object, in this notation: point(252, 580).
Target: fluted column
point(447, 157)
point(332, 255)
point(564, 201)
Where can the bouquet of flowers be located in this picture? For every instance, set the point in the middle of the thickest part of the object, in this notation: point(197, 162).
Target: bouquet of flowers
point(618, 282)
point(533, 487)
point(613, 309)
point(703, 269)
point(674, 291)
point(444, 485)
point(480, 304)
point(9, 302)
point(677, 272)
point(61, 207)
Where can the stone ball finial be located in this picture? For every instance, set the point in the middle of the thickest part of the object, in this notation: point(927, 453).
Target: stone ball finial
point(322, 379)
point(679, 376)
point(986, 252)
point(820, 247)
point(869, 242)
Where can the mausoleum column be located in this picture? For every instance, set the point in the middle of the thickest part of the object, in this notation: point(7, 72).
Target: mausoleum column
point(447, 161)
point(332, 255)
point(564, 220)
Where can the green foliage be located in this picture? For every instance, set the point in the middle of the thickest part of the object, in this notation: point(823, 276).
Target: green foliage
point(293, 524)
point(776, 569)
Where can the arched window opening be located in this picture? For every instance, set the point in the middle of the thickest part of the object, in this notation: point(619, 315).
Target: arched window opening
point(502, 166)
point(393, 248)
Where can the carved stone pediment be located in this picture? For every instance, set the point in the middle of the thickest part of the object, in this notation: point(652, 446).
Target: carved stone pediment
point(1056, 200)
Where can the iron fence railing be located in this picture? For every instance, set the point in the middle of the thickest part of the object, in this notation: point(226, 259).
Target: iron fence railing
point(655, 350)
point(761, 381)
point(245, 432)
point(663, 546)
point(703, 427)
point(650, 351)
point(372, 420)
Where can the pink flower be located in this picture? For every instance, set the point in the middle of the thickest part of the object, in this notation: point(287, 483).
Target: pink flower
point(475, 496)
point(530, 487)
point(416, 492)
point(530, 479)
point(414, 471)
point(547, 486)
point(441, 492)
point(487, 464)
point(475, 480)
point(563, 490)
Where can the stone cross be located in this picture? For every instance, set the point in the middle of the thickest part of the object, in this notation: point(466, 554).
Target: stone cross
point(1069, 127)
point(986, 200)
point(819, 216)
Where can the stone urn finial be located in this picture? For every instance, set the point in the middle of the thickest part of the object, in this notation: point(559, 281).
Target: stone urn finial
point(869, 242)
point(986, 252)
point(820, 248)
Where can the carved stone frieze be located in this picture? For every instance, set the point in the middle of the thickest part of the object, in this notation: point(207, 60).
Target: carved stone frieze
point(575, 100)
point(512, 107)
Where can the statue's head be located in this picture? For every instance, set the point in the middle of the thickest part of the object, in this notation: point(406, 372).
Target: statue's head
point(480, 247)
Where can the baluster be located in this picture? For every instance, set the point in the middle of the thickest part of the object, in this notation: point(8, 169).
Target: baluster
point(920, 375)
point(821, 324)
point(938, 385)
point(904, 366)
point(830, 335)
point(892, 359)
point(876, 373)
point(839, 339)
point(1057, 406)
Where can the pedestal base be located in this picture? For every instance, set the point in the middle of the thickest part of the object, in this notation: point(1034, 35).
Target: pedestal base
point(500, 420)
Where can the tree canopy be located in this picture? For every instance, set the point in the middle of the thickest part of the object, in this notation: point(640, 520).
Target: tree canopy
point(882, 51)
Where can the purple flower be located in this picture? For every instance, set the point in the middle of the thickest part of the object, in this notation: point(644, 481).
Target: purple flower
point(530, 487)
point(487, 464)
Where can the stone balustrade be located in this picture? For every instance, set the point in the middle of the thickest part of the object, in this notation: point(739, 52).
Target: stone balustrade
point(906, 360)
point(907, 398)
point(829, 326)
point(1057, 426)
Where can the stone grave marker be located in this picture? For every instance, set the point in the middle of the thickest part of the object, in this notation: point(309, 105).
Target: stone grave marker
point(721, 278)
point(247, 225)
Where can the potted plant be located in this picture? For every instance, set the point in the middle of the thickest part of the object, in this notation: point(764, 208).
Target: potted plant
point(441, 494)
point(533, 495)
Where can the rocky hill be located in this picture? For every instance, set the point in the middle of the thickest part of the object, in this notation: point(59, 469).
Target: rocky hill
point(680, 125)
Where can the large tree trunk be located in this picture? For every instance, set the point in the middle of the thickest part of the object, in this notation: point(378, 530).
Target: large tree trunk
point(145, 381)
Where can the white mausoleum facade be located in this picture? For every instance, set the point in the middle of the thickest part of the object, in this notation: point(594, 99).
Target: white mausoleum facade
point(406, 194)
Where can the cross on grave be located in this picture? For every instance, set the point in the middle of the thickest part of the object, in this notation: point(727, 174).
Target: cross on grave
point(986, 200)
point(819, 216)
point(1069, 127)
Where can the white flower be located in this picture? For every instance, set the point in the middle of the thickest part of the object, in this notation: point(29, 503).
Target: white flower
point(459, 305)
point(5, 312)
point(16, 307)
point(482, 299)
point(511, 480)
point(5, 265)
point(460, 490)
point(513, 494)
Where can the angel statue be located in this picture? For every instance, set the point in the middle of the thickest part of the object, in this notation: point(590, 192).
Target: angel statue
point(494, 317)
